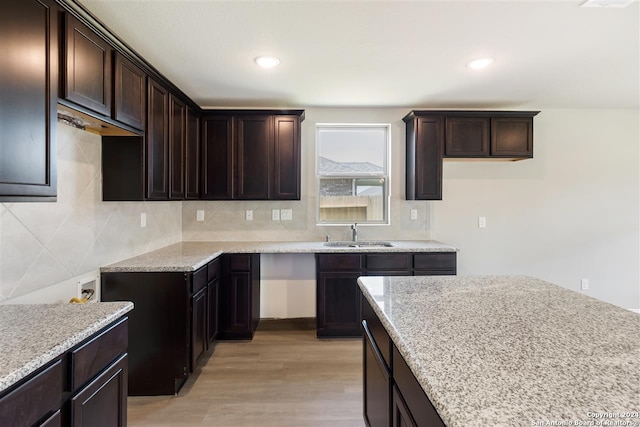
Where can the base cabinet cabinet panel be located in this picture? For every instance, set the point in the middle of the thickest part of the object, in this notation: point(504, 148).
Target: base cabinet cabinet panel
point(377, 383)
point(401, 415)
point(94, 405)
point(28, 100)
point(240, 296)
point(199, 320)
point(338, 304)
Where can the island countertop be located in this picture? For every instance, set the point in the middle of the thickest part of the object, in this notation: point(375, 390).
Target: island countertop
point(189, 256)
point(512, 350)
point(31, 335)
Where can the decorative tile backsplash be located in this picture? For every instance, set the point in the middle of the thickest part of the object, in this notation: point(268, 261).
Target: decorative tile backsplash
point(45, 243)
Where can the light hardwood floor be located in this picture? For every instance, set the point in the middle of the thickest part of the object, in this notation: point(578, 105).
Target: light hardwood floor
point(281, 378)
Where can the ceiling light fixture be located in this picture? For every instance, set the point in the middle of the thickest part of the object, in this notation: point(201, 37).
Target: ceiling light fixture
point(480, 63)
point(267, 61)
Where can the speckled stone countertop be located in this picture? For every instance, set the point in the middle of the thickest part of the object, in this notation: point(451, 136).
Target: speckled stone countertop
point(189, 256)
point(512, 350)
point(31, 335)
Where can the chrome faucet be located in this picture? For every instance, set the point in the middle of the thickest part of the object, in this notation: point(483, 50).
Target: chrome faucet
point(354, 232)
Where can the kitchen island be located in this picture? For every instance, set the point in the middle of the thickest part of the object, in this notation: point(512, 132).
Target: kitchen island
point(501, 351)
point(63, 364)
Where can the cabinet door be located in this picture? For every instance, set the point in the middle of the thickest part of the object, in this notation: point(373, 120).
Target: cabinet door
point(254, 156)
point(212, 313)
point(400, 413)
point(425, 140)
point(218, 156)
point(236, 310)
point(88, 67)
point(177, 120)
point(192, 156)
point(512, 137)
point(28, 107)
point(286, 167)
point(199, 304)
point(466, 137)
point(103, 402)
point(377, 383)
point(130, 100)
point(338, 304)
point(158, 142)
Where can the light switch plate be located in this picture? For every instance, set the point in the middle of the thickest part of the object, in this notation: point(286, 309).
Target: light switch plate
point(200, 215)
point(143, 220)
point(248, 215)
point(275, 214)
point(286, 214)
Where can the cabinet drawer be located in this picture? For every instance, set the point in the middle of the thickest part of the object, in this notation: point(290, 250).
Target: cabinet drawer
point(414, 396)
point(435, 261)
point(341, 262)
point(199, 279)
point(95, 355)
point(378, 333)
point(34, 399)
point(381, 262)
point(240, 262)
point(213, 270)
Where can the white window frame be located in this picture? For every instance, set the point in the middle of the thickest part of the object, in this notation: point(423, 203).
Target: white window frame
point(386, 176)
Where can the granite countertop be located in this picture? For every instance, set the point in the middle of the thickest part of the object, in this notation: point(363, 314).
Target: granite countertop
point(31, 335)
point(512, 350)
point(189, 256)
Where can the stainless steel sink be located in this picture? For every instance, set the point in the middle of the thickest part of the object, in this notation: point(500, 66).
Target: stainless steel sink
point(362, 244)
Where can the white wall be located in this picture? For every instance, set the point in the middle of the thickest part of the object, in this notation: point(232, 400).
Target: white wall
point(46, 247)
point(571, 212)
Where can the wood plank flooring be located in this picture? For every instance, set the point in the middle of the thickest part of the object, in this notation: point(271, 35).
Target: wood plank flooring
point(281, 378)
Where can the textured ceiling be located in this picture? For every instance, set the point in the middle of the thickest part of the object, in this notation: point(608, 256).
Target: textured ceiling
point(549, 54)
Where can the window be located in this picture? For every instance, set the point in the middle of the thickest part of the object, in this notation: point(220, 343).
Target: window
point(352, 167)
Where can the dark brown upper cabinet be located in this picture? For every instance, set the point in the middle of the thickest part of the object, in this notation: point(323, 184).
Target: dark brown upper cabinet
point(88, 69)
point(251, 155)
point(425, 136)
point(192, 156)
point(130, 90)
point(177, 145)
point(28, 97)
point(434, 135)
point(157, 146)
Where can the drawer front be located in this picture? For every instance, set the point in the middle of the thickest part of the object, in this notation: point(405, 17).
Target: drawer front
point(414, 396)
point(435, 261)
point(339, 262)
point(240, 262)
point(199, 279)
point(93, 356)
point(213, 270)
point(35, 398)
point(378, 333)
point(382, 262)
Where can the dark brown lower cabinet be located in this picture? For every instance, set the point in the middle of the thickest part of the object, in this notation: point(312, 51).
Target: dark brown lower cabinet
point(103, 402)
point(199, 320)
point(338, 297)
point(83, 387)
point(400, 412)
point(377, 382)
point(240, 296)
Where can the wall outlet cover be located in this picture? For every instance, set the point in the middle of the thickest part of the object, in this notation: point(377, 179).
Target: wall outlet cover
point(414, 213)
point(143, 220)
point(286, 214)
point(200, 215)
point(248, 215)
point(275, 214)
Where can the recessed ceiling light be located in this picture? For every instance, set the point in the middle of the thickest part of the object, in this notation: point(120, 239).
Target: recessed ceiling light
point(480, 63)
point(267, 61)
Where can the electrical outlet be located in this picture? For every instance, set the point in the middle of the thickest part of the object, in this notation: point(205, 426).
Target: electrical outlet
point(286, 214)
point(143, 220)
point(482, 222)
point(414, 213)
point(584, 284)
point(275, 214)
point(200, 215)
point(248, 215)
